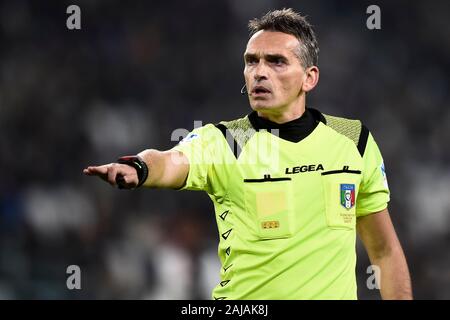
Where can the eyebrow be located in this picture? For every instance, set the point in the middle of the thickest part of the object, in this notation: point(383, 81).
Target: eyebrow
point(269, 56)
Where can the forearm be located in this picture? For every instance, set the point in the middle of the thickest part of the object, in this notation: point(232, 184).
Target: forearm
point(395, 281)
point(165, 169)
point(385, 251)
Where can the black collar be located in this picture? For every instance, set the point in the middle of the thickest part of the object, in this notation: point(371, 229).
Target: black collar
point(294, 130)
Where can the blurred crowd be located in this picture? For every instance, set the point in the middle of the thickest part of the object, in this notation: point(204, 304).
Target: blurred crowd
point(135, 72)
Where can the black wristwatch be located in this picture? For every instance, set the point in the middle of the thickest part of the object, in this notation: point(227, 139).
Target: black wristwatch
point(139, 164)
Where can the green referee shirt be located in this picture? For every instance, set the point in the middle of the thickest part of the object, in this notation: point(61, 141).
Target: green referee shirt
point(286, 200)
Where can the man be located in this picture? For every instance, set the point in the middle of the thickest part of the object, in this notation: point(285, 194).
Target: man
point(291, 186)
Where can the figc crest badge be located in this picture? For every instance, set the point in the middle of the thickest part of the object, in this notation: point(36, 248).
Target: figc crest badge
point(347, 195)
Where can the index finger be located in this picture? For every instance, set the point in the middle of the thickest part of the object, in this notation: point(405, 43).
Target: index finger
point(96, 170)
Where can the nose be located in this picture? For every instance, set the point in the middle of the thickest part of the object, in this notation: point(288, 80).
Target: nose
point(260, 72)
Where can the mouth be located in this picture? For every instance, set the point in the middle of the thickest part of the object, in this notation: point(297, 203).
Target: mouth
point(260, 91)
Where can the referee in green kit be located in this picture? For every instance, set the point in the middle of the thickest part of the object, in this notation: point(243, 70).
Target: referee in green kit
point(291, 186)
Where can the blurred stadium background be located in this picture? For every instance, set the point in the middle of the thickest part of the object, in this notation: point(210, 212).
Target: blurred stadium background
point(138, 70)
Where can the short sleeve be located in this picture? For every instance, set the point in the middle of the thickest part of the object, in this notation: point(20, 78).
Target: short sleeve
point(197, 147)
point(374, 192)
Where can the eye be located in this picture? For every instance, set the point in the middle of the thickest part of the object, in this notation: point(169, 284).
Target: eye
point(251, 61)
point(278, 61)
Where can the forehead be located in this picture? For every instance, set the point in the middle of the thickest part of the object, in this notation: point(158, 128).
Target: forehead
point(271, 41)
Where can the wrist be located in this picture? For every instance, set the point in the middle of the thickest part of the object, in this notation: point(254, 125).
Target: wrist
point(137, 163)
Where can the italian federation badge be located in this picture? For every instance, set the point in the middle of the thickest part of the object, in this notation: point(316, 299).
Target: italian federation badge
point(347, 195)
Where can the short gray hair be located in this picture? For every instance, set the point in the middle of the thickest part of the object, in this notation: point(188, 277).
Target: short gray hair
point(290, 22)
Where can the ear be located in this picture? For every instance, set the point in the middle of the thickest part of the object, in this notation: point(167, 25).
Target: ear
point(311, 78)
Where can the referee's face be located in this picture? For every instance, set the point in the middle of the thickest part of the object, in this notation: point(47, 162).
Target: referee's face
point(273, 73)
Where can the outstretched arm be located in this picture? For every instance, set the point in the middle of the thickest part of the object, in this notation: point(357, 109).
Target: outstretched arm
point(167, 169)
point(383, 247)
